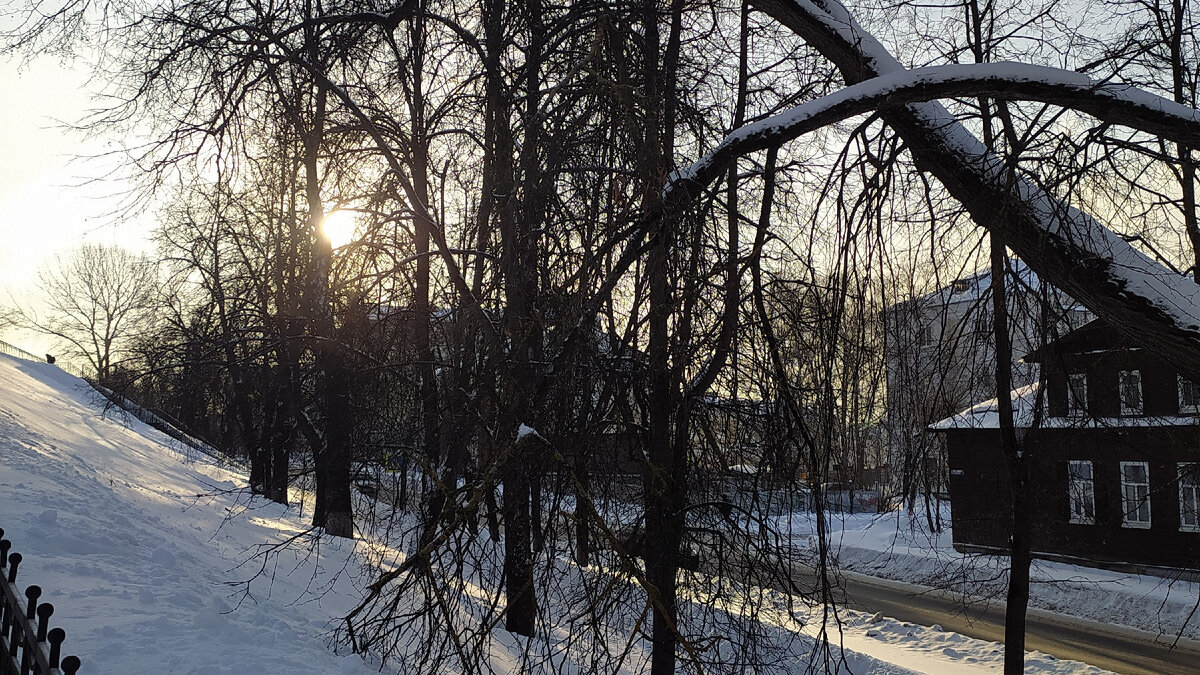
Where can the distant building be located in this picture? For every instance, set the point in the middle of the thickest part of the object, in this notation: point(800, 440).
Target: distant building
point(1114, 446)
point(941, 358)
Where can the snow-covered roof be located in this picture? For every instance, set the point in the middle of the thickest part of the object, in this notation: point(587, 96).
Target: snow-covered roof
point(973, 287)
point(986, 415)
point(747, 469)
point(750, 406)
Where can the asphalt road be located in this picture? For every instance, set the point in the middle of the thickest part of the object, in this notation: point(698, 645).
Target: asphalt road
point(1113, 648)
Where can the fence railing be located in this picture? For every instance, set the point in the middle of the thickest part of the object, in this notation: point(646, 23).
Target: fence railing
point(77, 371)
point(26, 646)
point(156, 419)
point(168, 425)
point(12, 350)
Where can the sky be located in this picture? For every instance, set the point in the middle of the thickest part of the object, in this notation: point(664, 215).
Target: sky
point(50, 201)
point(54, 194)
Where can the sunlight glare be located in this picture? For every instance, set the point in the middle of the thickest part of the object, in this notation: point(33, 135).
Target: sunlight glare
point(341, 227)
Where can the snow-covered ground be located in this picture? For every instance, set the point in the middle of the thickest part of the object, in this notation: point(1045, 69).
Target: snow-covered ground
point(153, 559)
point(899, 546)
point(140, 548)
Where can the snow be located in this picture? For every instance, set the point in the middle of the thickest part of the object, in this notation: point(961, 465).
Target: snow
point(525, 430)
point(747, 469)
point(986, 415)
point(157, 560)
point(900, 546)
point(147, 554)
point(1043, 83)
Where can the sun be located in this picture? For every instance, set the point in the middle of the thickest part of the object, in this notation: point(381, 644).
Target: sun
point(340, 227)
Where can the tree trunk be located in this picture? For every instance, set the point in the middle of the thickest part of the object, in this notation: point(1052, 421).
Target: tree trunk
point(519, 267)
point(1018, 575)
point(339, 520)
point(583, 511)
point(665, 496)
point(278, 444)
point(333, 510)
point(423, 227)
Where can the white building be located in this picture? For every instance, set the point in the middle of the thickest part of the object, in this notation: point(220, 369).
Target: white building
point(941, 358)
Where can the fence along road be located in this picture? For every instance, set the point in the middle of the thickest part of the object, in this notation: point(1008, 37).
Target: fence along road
point(156, 419)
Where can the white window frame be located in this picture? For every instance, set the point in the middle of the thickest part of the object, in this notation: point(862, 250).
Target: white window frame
point(1194, 408)
point(924, 334)
point(1189, 495)
point(1133, 496)
point(1077, 405)
point(1080, 491)
point(982, 324)
point(1127, 377)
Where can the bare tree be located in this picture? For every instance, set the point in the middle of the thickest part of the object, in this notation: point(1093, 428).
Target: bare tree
point(98, 299)
point(9, 318)
point(611, 107)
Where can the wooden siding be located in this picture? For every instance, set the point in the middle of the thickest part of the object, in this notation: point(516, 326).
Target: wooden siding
point(980, 492)
point(1160, 395)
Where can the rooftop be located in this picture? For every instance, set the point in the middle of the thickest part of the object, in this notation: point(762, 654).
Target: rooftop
point(986, 415)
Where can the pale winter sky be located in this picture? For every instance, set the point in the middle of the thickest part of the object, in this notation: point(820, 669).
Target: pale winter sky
point(47, 205)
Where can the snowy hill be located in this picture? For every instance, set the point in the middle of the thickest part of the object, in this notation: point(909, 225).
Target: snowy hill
point(140, 548)
point(150, 555)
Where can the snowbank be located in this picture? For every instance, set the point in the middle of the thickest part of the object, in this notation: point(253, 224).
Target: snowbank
point(146, 553)
point(900, 547)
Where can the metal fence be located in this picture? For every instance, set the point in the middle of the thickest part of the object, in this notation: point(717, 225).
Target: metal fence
point(157, 419)
point(74, 369)
point(169, 426)
point(12, 350)
point(26, 646)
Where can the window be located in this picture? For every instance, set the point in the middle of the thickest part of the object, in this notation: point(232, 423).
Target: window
point(1131, 392)
point(1189, 396)
point(1189, 497)
point(923, 333)
point(983, 325)
point(1135, 494)
point(1081, 492)
point(1077, 394)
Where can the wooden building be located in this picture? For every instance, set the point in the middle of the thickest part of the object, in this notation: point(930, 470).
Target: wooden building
point(940, 357)
point(1114, 451)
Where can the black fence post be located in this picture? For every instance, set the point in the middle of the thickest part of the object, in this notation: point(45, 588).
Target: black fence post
point(56, 637)
point(27, 630)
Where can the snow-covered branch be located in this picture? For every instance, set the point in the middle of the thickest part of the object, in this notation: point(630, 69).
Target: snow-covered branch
point(1065, 246)
point(1114, 103)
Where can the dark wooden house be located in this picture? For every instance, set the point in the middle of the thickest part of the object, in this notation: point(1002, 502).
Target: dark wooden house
point(1113, 436)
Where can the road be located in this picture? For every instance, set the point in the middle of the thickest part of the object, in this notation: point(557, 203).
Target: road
point(1113, 648)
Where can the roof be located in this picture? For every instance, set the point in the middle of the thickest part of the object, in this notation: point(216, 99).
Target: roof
point(972, 288)
point(1095, 336)
point(986, 415)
